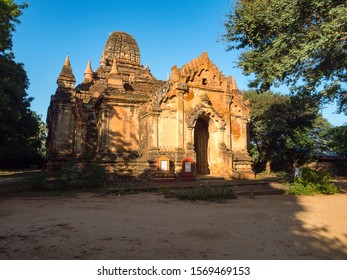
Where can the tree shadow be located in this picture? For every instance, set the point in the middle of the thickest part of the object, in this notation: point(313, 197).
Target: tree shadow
point(305, 240)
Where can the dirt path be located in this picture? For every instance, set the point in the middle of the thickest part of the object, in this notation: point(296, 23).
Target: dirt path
point(148, 226)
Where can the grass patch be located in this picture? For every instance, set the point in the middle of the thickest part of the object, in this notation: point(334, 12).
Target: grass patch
point(207, 193)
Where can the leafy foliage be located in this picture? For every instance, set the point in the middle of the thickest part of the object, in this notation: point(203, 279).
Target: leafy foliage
point(300, 43)
point(337, 138)
point(69, 174)
point(22, 132)
point(284, 128)
point(9, 12)
point(311, 182)
point(95, 175)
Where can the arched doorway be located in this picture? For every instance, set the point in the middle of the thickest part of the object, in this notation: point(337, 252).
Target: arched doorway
point(201, 136)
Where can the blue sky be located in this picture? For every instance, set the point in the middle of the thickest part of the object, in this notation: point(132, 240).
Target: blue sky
point(168, 33)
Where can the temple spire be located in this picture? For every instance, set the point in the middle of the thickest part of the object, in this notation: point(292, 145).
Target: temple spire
point(103, 60)
point(204, 56)
point(115, 79)
point(67, 61)
point(233, 83)
point(66, 78)
point(88, 73)
point(114, 69)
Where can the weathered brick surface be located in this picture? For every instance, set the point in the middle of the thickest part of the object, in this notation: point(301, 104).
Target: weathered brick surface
point(125, 118)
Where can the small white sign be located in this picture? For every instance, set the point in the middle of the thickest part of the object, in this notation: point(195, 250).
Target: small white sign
point(164, 165)
point(188, 166)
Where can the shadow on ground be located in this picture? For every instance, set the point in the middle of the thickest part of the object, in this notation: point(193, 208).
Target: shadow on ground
point(149, 226)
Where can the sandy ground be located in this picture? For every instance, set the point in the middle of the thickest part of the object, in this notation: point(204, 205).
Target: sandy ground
point(149, 226)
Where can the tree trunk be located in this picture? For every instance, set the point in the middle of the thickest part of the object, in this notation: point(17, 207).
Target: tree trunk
point(268, 167)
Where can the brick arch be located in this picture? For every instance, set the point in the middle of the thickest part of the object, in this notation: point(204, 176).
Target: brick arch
point(198, 111)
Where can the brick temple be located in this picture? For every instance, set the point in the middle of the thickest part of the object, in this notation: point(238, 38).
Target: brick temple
point(121, 116)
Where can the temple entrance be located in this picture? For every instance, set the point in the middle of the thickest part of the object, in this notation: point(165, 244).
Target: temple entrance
point(201, 136)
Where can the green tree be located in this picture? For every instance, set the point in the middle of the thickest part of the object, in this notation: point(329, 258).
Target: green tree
point(300, 43)
point(284, 129)
point(9, 12)
point(337, 139)
point(21, 130)
point(306, 142)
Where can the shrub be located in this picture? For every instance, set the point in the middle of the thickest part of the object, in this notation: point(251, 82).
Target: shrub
point(95, 175)
point(326, 186)
point(311, 182)
point(69, 174)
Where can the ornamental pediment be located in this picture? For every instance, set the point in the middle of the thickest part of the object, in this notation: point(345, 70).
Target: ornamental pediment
point(201, 72)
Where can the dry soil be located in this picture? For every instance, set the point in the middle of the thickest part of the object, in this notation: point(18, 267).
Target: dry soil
point(149, 226)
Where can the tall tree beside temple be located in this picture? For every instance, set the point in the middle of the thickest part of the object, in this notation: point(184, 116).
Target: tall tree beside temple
point(20, 128)
point(300, 43)
point(285, 129)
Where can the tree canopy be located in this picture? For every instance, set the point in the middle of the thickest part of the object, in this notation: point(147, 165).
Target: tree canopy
point(300, 43)
point(337, 139)
point(285, 129)
point(21, 129)
point(10, 12)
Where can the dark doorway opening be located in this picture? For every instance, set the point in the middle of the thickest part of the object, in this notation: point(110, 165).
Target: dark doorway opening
point(201, 136)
